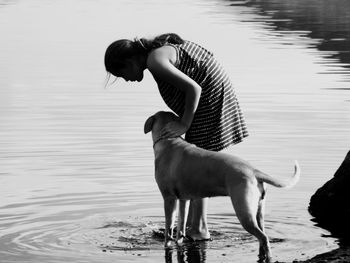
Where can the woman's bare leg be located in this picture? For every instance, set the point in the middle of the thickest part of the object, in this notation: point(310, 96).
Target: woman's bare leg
point(198, 228)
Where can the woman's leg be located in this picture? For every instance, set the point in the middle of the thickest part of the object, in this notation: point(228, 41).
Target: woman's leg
point(198, 228)
point(197, 216)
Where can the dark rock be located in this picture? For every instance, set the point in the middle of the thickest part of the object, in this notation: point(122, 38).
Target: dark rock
point(330, 205)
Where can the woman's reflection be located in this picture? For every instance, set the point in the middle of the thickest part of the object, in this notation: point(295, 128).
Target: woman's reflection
point(189, 253)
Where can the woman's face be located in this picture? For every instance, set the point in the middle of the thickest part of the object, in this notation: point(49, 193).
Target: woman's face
point(132, 71)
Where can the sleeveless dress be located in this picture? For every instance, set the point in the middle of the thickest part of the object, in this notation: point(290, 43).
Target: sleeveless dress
point(218, 121)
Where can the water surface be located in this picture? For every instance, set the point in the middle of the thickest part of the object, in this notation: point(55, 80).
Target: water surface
point(76, 179)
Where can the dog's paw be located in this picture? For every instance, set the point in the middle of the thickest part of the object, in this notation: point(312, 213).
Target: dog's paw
point(180, 241)
point(168, 243)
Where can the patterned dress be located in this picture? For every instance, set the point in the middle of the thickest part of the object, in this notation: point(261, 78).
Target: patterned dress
point(218, 121)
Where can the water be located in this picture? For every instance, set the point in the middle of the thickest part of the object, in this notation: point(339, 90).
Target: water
point(76, 179)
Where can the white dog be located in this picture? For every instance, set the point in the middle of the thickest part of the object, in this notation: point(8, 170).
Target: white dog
point(184, 172)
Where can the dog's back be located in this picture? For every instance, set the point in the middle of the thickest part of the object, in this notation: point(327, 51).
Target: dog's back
point(187, 171)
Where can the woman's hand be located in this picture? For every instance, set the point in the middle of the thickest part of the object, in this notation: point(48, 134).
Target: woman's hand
point(173, 129)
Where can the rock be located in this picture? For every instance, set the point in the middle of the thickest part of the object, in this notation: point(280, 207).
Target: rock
point(330, 205)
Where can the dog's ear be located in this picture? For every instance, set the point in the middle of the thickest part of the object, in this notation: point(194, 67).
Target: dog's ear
point(149, 124)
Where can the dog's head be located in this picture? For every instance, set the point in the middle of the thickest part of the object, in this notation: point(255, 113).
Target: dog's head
point(156, 122)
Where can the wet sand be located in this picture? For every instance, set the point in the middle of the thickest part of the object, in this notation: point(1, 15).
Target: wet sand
point(340, 255)
point(336, 256)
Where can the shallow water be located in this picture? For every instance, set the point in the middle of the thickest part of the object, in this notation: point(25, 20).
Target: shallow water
point(76, 179)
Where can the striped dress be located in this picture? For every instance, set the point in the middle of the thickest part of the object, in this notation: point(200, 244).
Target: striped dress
point(218, 121)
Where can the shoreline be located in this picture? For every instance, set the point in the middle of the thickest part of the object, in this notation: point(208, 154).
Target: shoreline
point(339, 255)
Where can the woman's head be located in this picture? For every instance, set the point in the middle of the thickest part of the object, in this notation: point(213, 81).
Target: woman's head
point(123, 59)
point(126, 58)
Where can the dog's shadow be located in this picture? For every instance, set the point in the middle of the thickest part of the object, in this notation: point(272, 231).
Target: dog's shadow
point(188, 253)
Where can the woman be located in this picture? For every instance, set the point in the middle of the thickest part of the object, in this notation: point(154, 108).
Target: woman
point(195, 87)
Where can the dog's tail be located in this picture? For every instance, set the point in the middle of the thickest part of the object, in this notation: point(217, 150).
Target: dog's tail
point(278, 182)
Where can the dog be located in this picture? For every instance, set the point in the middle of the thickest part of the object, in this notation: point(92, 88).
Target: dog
point(184, 171)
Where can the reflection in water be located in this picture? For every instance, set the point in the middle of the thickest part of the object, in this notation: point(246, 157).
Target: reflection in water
point(189, 253)
point(7, 2)
point(327, 22)
point(75, 164)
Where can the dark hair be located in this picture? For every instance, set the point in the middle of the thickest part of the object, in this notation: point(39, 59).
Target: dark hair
point(122, 49)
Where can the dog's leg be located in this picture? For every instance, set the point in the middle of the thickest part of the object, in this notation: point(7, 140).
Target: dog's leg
point(261, 206)
point(261, 224)
point(170, 213)
point(181, 221)
point(245, 199)
point(260, 215)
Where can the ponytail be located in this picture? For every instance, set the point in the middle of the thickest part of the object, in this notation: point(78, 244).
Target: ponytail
point(159, 41)
point(171, 38)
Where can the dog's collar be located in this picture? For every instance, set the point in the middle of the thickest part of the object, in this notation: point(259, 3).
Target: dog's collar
point(164, 138)
point(158, 140)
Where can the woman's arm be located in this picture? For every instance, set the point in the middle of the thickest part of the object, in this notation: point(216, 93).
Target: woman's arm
point(160, 63)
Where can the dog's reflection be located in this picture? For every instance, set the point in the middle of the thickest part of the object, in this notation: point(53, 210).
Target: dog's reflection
point(188, 253)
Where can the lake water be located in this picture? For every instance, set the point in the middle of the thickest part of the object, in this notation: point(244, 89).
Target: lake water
point(76, 178)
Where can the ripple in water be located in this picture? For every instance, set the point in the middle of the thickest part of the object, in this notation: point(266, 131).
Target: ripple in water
point(96, 238)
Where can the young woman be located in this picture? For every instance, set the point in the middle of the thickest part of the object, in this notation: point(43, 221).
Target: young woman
point(194, 85)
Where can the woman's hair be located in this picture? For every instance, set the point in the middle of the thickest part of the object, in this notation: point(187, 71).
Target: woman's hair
point(122, 49)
